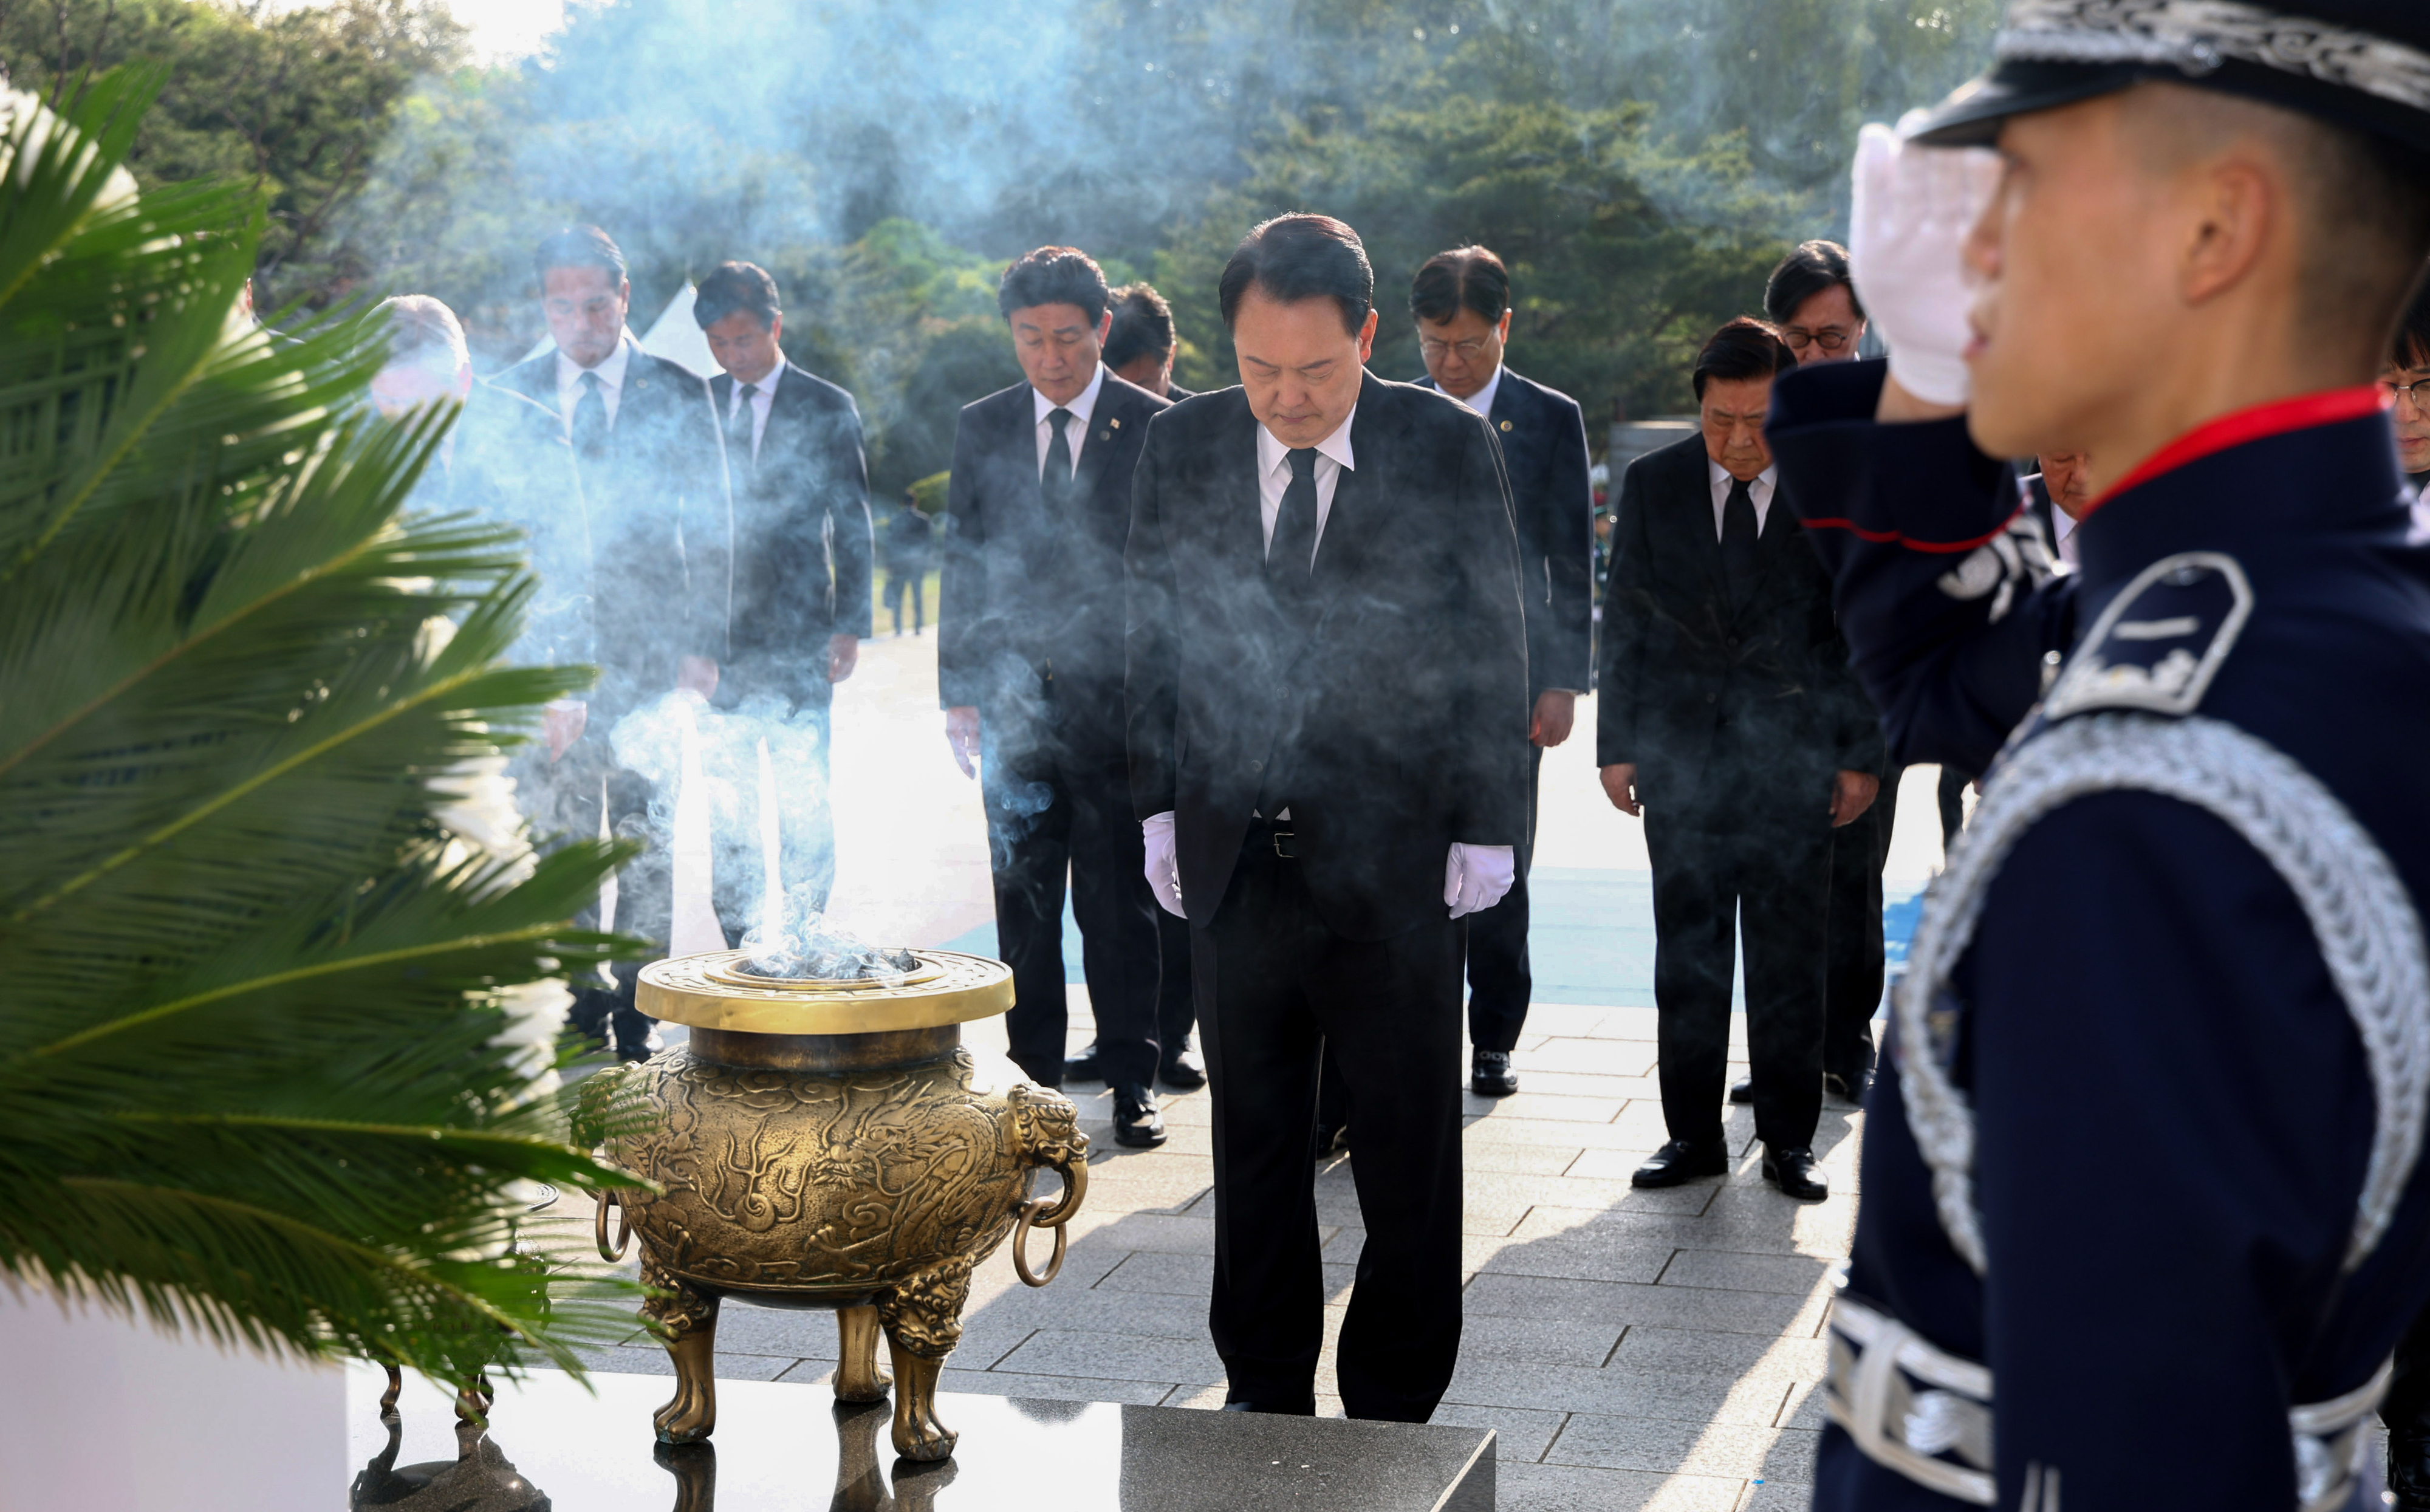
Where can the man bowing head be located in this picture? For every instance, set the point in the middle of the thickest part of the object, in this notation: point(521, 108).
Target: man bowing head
point(1327, 690)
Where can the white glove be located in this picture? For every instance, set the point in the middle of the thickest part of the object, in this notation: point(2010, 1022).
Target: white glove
point(1906, 238)
point(1163, 868)
point(1476, 876)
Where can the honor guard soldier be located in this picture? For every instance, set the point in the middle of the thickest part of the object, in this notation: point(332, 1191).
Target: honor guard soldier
point(2144, 1208)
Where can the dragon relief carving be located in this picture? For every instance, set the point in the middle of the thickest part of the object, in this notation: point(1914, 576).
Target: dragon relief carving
point(789, 1180)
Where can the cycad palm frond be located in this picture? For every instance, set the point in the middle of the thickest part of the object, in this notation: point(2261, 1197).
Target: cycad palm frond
point(249, 1077)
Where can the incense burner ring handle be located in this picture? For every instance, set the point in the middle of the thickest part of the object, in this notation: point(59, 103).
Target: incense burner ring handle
point(599, 1226)
point(1039, 1213)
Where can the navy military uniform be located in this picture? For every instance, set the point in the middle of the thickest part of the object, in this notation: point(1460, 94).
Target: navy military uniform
point(2145, 1214)
point(2119, 984)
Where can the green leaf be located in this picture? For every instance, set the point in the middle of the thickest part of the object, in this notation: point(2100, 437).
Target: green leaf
point(252, 991)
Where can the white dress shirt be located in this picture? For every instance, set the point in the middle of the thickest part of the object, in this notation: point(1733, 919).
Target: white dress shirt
point(1274, 477)
point(1482, 400)
point(1075, 430)
point(2064, 529)
point(611, 380)
point(761, 402)
point(1760, 489)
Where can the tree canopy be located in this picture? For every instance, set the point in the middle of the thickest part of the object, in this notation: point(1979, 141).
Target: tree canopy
point(1639, 163)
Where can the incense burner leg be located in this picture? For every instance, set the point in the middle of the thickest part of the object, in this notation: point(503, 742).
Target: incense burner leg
point(685, 1319)
point(924, 1321)
point(858, 1377)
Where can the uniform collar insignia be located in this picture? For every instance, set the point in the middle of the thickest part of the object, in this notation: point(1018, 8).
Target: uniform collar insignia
point(2160, 642)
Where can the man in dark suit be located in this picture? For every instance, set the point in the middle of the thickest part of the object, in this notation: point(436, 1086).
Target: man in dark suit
point(1029, 664)
point(1327, 691)
point(1139, 343)
point(1461, 303)
point(1139, 350)
point(1812, 301)
point(802, 547)
point(646, 444)
point(1731, 723)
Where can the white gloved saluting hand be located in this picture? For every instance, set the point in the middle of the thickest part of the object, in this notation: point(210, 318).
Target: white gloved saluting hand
point(1163, 865)
point(1907, 236)
point(1476, 876)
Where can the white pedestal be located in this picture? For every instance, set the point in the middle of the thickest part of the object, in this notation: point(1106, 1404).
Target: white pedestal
point(97, 1415)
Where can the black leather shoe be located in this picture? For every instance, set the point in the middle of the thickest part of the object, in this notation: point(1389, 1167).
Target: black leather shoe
point(1682, 1161)
point(1331, 1137)
point(1307, 1409)
point(1183, 1070)
point(633, 1053)
point(1793, 1172)
point(1083, 1066)
point(1135, 1123)
point(1742, 1093)
point(1847, 1088)
point(1489, 1073)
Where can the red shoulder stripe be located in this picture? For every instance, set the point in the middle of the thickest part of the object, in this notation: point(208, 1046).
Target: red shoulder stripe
point(1900, 538)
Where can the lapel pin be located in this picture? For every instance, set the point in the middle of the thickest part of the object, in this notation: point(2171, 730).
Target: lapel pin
point(1506, 424)
point(1115, 423)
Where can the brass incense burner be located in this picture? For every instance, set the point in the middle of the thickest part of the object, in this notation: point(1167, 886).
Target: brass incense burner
point(834, 1144)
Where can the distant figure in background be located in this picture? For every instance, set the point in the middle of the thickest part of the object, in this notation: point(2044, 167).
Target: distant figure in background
point(803, 549)
point(1029, 665)
point(910, 546)
point(504, 459)
point(2408, 364)
point(653, 467)
point(1810, 298)
point(1139, 345)
point(1461, 303)
point(1730, 721)
point(1138, 349)
point(2057, 496)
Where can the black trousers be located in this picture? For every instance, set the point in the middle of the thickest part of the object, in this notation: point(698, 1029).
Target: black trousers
point(1053, 809)
point(1953, 803)
point(900, 586)
point(1499, 979)
point(644, 895)
point(2406, 1412)
point(1176, 1009)
point(1275, 990)
point(1860, 850)
point(1716, 875)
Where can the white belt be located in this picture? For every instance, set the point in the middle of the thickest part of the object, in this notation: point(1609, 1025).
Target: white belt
point(1913, 1408)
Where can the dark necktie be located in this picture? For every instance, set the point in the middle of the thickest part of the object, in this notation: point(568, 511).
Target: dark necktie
point(1739, 535)
point(739, 451)
point(590, 428)
point(1055, 483)
point(1291, 556)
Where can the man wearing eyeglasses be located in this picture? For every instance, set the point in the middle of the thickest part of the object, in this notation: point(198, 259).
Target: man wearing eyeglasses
point(1812, 301)
point(2406, 381)
point(1461, 303)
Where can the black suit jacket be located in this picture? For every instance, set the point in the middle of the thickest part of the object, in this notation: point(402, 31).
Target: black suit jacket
point(802, 538)
point(1393, 724)
point(662, 524)
point(1722, 710)
point(1023, 594)
point(1543, 438)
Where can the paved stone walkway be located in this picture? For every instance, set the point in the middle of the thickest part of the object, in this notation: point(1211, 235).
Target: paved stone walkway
point(1632, 1349)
